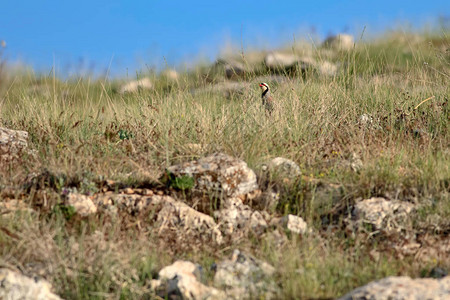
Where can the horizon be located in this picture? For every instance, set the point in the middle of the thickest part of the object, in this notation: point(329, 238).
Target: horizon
point(125, 39)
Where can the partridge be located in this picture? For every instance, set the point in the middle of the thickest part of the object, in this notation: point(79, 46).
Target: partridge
point(267, 99)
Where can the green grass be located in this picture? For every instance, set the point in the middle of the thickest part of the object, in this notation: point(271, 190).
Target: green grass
point(83, 132)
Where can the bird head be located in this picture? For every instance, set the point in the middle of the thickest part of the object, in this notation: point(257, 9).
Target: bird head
point(264, 86)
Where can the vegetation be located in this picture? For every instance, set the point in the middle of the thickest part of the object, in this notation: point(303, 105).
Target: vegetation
point(82, 133)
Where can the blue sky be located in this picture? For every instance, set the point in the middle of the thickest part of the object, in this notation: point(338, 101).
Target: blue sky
point(78, 36)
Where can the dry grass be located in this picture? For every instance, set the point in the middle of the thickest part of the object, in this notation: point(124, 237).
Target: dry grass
point(83, 132)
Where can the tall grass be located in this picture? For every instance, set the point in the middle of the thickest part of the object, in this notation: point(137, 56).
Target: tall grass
point(82, 130)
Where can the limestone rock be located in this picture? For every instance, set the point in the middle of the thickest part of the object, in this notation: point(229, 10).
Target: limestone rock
point(12, 141)
point(181, 281)
point(170, 75)
point(245, 277)
point(340, 42)
point(283, 62)
point(82, 204)
point(284, 168)
point(381, 213)
point(327, 68)
point(294, 224)
point(236, 219)
point(171, 214)
point(233, 69)
point(220, 174)
point(176, 214)
point(136, 85)
point(9, 207)
point(15, 286)
point(402, 288)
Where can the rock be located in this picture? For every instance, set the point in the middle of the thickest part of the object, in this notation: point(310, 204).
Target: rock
point(219, 174)
point(245, 277)
point(12, 141)
point(82, 204)
point(282, 62)
point(284, 168)
point(170, 75)
point(381, 213)
point(401, 288)
point(294, 224)
point(237, 219)
point(233, 69)
point(340, 42)
point(15, 286)
point(136, 85)
point(9, 207)
point(269, 200)
point(171, 214)
point(181, 281)
point(176, 214)
point(327, 68)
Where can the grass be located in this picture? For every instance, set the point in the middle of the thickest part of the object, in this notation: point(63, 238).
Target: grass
point(82, 132)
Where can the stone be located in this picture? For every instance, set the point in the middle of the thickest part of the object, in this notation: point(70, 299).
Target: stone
point(82, 204)
point(181, 280)
point(219, 174)
point(170, 214)
point(245, 277)
point(15, 286)
point(283, 167)
point(237, 219)
point(170, 75)
point(294, 224)
point(233, 69)
point(277, 61)
point(12, 141)
point(381, 213)
point(402, 288)
point(9, 207)
point(327, 68)
point(136, 85)
point(176, 214)
point(341, 41)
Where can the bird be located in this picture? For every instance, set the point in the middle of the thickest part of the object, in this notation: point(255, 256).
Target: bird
point(267, 99)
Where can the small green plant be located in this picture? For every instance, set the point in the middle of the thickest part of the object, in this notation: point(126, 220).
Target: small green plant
point(182, 183)
point(125, 135)
point(67, 211)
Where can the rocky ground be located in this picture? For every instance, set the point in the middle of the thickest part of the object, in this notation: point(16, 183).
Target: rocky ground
point(121, 214)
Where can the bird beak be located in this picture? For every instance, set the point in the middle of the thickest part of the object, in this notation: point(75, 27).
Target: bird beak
point(260, 85)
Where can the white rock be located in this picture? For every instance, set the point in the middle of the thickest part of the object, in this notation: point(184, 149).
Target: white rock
point(82, 204)
point(327, 68)
point(177, 214)
point(15, 286)
point(12, 141)
point(182, 279)
point(220, 174)
point(402, 288)
point(245, 277)
point(381, 213)
point(340, 42)
point(237, 219)
point(136, 85)
point(277, 59)
point(284, 167)
point(170, 213)
point(170, 75)
point(294, 224)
